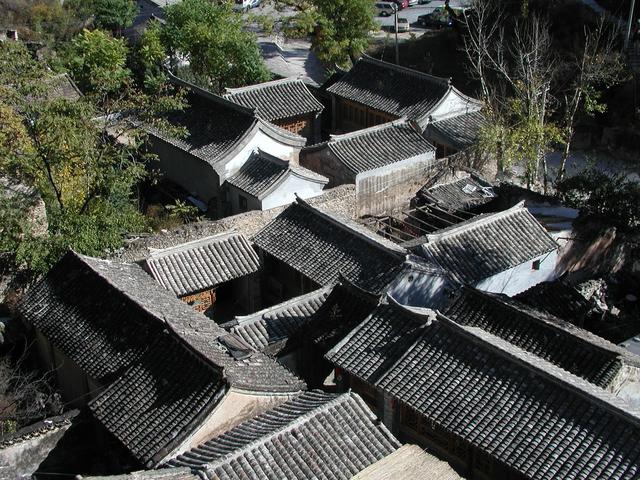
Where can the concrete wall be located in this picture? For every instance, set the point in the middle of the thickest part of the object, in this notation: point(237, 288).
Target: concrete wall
point(23, 459)
point(390, 188)
point(520, 278)
point(191, 173)
point(235, 407)
point(233, 200)
point(325, 163)
point(452, 105)
point(76, 387)
point(286, 192)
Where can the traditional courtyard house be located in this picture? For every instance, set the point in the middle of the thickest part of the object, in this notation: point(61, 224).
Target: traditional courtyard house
point(392, 158)
point(455, 133)
point(215, 274)
point(505, 252)
point(573, 349)
point(314, 435)
point(468, 192)
point(265, 182)
point(490, 408)
point(561, 300)
point(375, 92)
point(305, 248)
point(300, 331)
point(287, 103)
point(220, 137)
point(155, 374)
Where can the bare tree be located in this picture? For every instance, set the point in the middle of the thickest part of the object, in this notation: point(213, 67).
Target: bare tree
point(25, 396)
point(515, 69)
point(598, 64)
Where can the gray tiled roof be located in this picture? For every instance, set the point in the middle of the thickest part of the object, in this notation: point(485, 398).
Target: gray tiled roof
point(154, 405)
point(487, 244)
point(460, 131)
point(124, 330)
point(462, 194)
point(262, 173)
point(323, 247)
point(62, 86)
point(573, 349)
point(391, 88)
point(377, 146)
point(277, 323)
point(524, 412)
point(558, 299)
point(214, 126)
point(314, 435)
point(323, 316)
point(276, 100)
point(201, 264)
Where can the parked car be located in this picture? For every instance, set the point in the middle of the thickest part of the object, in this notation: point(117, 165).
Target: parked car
point(245, 5)
point(424, 2)
point(403, 25)
point(439, 18)
point(384, 9)
point(413, 2)
point(401, 3)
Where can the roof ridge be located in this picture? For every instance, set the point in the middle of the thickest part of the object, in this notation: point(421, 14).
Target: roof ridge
point(210, 96)
point(160, 252)
point(339, 399)
point(363, 131)
point(532, 362)
point(257, 86)
point(239, 320)
point(475, 222)
point(411, 71)
point(556, 323)
point(355, 229)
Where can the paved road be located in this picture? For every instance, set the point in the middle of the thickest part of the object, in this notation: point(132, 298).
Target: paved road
point(412, 13)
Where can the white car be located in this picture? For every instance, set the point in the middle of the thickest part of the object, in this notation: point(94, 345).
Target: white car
point(385, 9)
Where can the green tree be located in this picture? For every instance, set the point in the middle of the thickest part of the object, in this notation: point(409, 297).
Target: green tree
point(114, 15)
point(149, 57)
point(344, 27)
point(80, 157)
point(98, 62)
point(211, 37)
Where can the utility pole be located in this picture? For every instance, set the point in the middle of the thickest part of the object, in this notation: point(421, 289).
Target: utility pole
point(395, 22)
point(629, 23)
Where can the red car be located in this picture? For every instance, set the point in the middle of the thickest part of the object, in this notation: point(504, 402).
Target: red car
point(401, 3)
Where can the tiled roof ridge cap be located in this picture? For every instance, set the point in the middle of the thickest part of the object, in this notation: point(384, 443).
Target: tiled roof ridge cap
point(71, 82)
point(161, 318)
point(533, 363)
point(155, 253)
point(557, 324)
point(278, 131)
point(399, 122)
point(38, 428)
point(410, 71)
point(210, 96)
point(297, 422)
point(259, 315)
point(350, 226)
point(257, 86)
point(479, 221)
point(472, 176)
point(258, 152)
point(307, 173)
